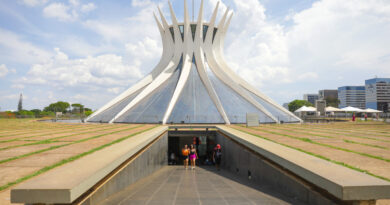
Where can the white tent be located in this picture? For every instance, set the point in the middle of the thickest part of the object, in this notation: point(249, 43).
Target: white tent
point(369, 110)
point(306, 109)
point(352, 109)
point(333, 109)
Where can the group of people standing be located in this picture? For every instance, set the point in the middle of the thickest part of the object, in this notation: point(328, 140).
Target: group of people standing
point(190, 154)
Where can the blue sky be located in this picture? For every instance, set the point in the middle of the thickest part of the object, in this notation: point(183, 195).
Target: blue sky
point(85, 51)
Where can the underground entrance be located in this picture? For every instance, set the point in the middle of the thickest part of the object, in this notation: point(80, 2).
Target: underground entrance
point(203, 138)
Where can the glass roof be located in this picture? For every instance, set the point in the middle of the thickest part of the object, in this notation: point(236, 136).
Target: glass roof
point(194, 104)
point(279, 114)
point(234, 104)
point(110, 113)
point(153, 107)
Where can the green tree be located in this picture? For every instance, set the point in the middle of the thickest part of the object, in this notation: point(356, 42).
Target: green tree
point(88, 112)
point(77, 108)
point(25, 114)
point(59, 106)
point(37, 112)
point(20, 104)
point(296, 104)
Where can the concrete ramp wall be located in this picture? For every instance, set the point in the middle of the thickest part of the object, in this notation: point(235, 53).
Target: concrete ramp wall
point(95, 177)
point(309, 179)
point(250, 166)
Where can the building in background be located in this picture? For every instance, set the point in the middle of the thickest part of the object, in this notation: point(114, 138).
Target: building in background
point(378, 94)
point(311, 98)
point(354, 96)
point(324, 94)
point(330, 96)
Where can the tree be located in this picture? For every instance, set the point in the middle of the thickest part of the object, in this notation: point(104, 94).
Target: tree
point(88, 112)
point(37, 112)
point(296, 104)
point(59, 106)
point(20, 104)
point(77, 108)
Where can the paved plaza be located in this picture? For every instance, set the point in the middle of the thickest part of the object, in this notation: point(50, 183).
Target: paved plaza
point(204, 185)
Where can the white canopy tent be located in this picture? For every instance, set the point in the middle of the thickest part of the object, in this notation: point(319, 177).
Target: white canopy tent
point(369, 110)
point(333, 109)
point(306, 109)
point(352, 109)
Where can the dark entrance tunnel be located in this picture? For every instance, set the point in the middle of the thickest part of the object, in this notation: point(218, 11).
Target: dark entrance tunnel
point(204, 141)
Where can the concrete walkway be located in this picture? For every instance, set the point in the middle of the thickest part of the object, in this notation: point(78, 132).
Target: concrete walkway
point(204, 185)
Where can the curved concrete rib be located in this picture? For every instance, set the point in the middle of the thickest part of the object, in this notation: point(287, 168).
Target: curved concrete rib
point(199, 58)
point(166, 56)
point(218, 70)
point(164, 75)
point(219, 44)
point(186, 50)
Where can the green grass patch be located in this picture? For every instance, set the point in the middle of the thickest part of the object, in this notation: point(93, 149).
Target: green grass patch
point(51, 140)
point(72, 130)
point(318, 156)
point(370, 145)
point(326, 145)
point(63, 145)
point(345, 131)
point(348, 135)
point(70, 159)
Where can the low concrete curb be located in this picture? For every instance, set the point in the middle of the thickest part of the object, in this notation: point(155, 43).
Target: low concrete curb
point(343, 183)
point(70, 181)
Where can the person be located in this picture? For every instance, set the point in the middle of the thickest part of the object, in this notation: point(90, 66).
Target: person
point(172, 158)
point(353, 117)
point(365, 116)
point(185, 152)
point(217, 156)
point(193, 156)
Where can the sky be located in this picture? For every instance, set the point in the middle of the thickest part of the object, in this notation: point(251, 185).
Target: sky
point(84, 51)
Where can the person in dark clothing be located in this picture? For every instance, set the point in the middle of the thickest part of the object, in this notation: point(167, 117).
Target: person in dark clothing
point(217, 156)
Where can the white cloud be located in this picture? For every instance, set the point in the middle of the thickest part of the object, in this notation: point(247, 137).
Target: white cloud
point(114, 90)
point(59, 11)
point(141, 3)
point(257, 49)
point(33, 2)
point(309, 76)
point(331, 38)
point(14, 96)
point(92, 72)
point(17, 86)
point(88, 7)
point(341, 36)
point(15, 48)
point(3, 70)
point(67, 12)
point(74, 2)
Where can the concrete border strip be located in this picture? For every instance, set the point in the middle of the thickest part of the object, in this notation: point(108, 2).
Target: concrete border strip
point(70, 181)
point(341, 182)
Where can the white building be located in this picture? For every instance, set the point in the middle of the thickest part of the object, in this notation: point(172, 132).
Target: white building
point(192, 83)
